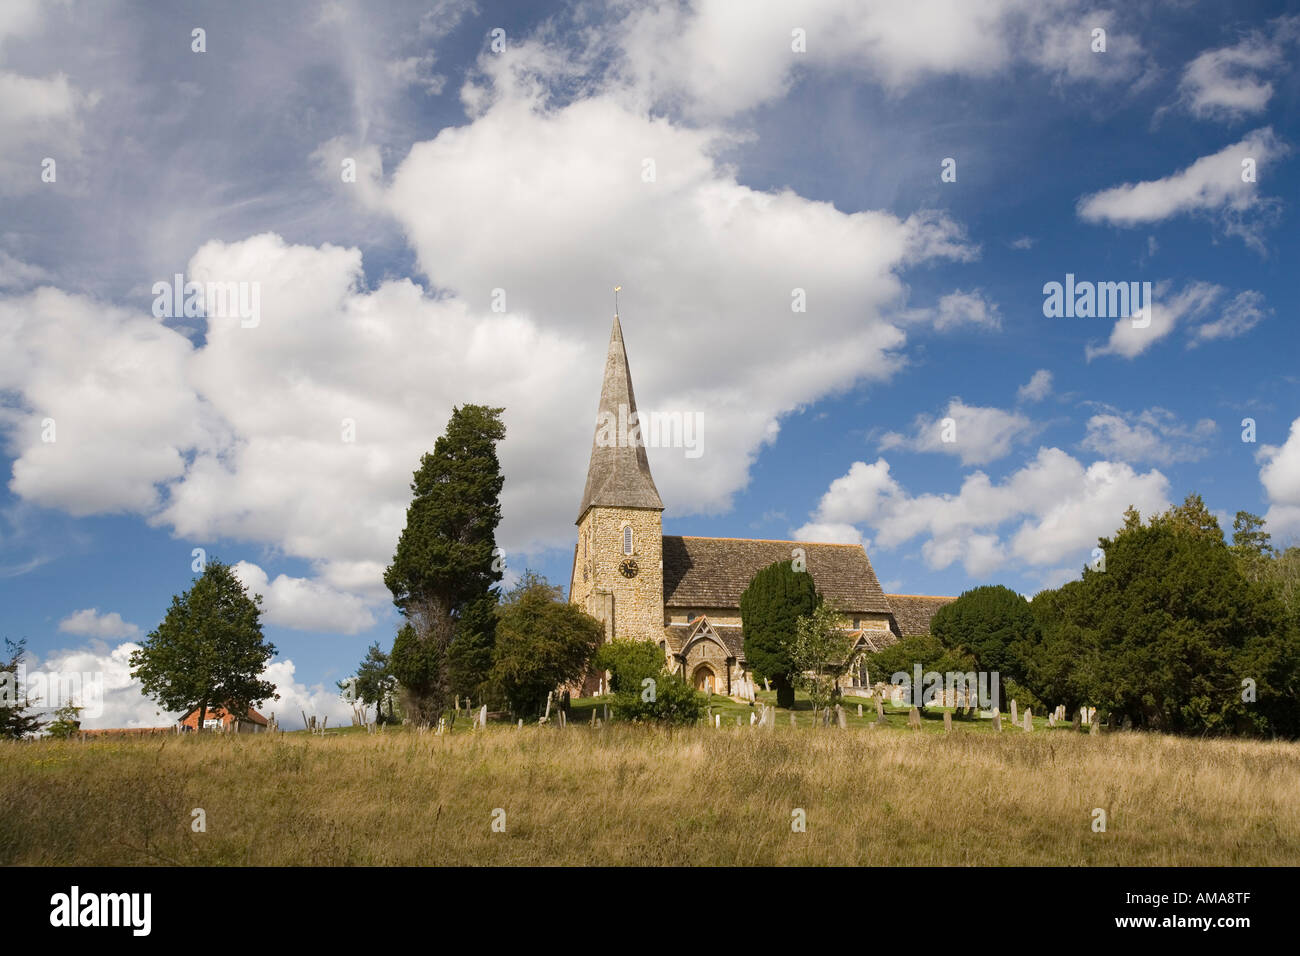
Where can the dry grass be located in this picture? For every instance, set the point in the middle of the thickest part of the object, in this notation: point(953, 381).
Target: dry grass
point(628, 795)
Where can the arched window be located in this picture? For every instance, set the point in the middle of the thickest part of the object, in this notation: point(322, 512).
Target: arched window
point(627, 539)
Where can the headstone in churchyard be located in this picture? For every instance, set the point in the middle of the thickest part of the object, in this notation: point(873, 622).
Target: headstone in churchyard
point(1094, 726)
point(547, 715)
point(593, 716)
point(880, 709)
point(1078, 719)
point(717, 720)
point(997, 721)
point(753, 718)
point(859, 710)
point(914, 719)
point(1051, 719)
point(792, 720)
point(766, 685)
point(1015, 714)
point(521, 724)
point(1029, 718)
point(738, 720)
point(564, 719)
point(482, 717)
point(841, 718)
point(1128, 722)
point(947, 721)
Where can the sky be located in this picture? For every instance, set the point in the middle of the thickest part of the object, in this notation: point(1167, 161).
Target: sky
point(835, 223)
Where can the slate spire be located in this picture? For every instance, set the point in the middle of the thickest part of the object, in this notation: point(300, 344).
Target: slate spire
point(619, 473)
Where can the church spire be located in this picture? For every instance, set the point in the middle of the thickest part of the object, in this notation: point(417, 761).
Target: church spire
point(619, 473)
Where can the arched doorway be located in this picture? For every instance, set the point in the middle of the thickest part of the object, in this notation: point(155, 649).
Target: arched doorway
point(703, 679)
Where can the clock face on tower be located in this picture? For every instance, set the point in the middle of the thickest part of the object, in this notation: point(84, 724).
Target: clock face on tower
point(628, 568)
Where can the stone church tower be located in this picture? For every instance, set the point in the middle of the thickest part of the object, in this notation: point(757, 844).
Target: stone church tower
point(618, 572)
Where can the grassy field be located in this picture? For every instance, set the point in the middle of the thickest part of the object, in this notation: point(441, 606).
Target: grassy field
point(634, 796)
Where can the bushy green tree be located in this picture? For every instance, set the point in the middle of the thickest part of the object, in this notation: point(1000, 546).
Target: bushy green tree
point(542, 641)
point(209, 649)
point(821, 653)
point(668, 699)
point(447, 561)
point(995, 627)
point(416, 665)
point(373, 683)
point(66, 722)
point(469, 658)
point(629, 662)
point(16, 717)
point(1172, 634)
point(770, 608)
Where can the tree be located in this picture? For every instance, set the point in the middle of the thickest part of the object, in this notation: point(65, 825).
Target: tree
point(822, 653)
point(209, 649)
point(447, 559)
point(667, 700)
point(1172, 635)
point(469, 658)
point(16, 720)
point(416, 665)
point(67, 721)
point(1251, 544)
point(542, 642)
point(770, 609)
point(373, 683)
point(629, 663)
point(994, 626)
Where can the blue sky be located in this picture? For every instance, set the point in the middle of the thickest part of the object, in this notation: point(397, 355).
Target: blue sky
point(523, 169)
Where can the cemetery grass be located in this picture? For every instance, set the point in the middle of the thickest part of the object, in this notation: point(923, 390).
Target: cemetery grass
point(629, 795)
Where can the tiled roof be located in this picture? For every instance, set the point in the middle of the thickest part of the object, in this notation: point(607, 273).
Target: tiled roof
point(618, 474)
point(875, 640)
point(679, 635)
point(913, 612)
point(714, 572)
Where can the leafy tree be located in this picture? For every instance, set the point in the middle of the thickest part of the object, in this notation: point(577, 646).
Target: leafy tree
point(67, 721)
point(373, 683)
point(770, 609)
point(1252, 545)
point(669, 700)
point(446, 560)
point(821, 653)
point(469, 658)
point(1170, 633)
point(542, 641)
point(921, 649)
point(994, 626)
point(16, 719)
point(209, 649)
point(416, 665)
point(629, 663)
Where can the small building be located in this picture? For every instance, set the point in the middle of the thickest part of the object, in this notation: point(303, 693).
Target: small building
point(219, 718)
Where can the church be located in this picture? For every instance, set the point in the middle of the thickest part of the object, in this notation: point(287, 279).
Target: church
point(684, 592)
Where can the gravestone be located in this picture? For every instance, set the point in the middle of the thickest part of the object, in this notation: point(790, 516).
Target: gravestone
point(859, 710)
point(738, 720)
point(1029, 718)
point(753, 718)
point(1094, 726)
point(997, 721)
point(717, 720)
point(914, 719)
point(841, 718)
point(792, 720)
point(521, 724)
point(880, 709)
point(593, 716)
point(1015, 714)
point(947, 721)
point(1078, 719)
point(482, 717)
point(1051, 719)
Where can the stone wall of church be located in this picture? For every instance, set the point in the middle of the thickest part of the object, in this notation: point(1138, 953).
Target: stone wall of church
point(637, 601)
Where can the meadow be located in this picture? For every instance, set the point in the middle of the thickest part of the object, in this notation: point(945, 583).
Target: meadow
point(635, 795)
